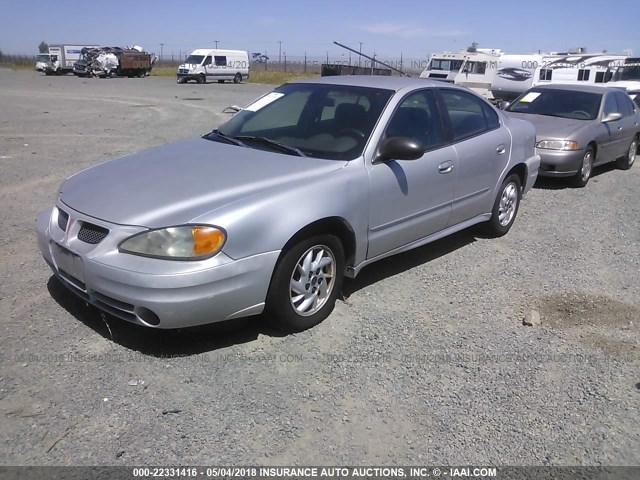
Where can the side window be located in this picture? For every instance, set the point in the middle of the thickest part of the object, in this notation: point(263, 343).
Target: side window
point(610, 104)
point(599, 77)
point(546, 73)
point(490, 116)
point(417, 117)
point(625, 107)
point(583, 75)
point(207, 61)
point(221, 61)
point(467, 113)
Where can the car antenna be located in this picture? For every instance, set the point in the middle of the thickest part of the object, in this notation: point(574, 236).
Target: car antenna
point(372, 59)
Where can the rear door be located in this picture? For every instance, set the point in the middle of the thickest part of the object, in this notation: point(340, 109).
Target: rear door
point(483, 148)
point(629, 122)
point(612, 142)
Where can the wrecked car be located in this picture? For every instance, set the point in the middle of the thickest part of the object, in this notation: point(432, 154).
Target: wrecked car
point(106, 62)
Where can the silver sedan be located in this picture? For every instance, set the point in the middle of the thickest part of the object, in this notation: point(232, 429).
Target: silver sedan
point(579, 127)
point(270, 211)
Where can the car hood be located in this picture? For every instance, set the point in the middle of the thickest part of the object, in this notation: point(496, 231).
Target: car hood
point(176, 183)
point(549, 128)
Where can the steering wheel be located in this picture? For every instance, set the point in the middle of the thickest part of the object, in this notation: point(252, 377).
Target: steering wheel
point(583, 113)
point(351, 132)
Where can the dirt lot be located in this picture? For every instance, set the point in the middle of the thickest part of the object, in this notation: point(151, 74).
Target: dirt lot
point(426, 361)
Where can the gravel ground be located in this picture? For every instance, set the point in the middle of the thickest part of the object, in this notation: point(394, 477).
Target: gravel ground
point(426, 360)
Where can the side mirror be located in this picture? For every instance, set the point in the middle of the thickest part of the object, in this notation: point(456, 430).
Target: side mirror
point(503, 105)
point(611, 117)
point(399, 148)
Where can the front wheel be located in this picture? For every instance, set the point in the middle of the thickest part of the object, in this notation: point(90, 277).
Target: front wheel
point(505, 207)
point(306, 283)
point(584, 173)
point(202, 78)
point(626, 162)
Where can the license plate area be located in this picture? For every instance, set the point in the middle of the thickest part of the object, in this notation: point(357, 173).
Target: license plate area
point(68, 264)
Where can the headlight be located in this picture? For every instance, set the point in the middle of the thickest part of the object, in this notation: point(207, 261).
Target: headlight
point(187, 242)
point(558, 144)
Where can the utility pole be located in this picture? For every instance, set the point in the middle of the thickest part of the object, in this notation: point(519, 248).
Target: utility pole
point(360, 56)
point(161, 47)
point(280, 52)
point(216, 43)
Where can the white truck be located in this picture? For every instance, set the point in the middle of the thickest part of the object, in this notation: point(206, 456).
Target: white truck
point(42, 60)
point(62, 57)
point(214, 64)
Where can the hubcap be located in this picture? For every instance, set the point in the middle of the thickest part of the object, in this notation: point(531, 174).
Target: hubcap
point(585, 172)
point(312, 280)
point(507, 206)
point(632, 152)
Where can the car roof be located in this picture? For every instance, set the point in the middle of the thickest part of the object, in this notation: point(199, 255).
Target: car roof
point(576, 88)
point(375, 81)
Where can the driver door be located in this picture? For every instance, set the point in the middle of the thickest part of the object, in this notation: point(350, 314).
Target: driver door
point(412, 199)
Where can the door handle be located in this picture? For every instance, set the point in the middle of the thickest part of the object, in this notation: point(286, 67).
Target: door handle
point(500, 149)
point(445, 167)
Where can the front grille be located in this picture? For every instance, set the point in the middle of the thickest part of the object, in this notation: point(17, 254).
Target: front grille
point(63, 220)
point(184, 70)
point(93, 234)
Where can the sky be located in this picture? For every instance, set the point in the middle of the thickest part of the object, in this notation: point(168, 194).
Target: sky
point(413, 28)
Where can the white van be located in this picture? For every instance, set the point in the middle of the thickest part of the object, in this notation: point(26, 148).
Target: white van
point(214, 64)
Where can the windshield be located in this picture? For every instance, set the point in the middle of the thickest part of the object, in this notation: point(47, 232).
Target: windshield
point(631, 72)
point(43, 57)
point(558, 103)
point(325, 121)
point(197, 59)
point(445, 64)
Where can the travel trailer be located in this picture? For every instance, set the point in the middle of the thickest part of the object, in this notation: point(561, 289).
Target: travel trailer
point(479, 70)
point(580, 69)
point(212, 64)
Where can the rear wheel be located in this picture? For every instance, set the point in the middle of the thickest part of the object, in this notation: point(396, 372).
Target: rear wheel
point(584, 173)
point(306, 283)
point(505, 207)
point(626, 162)
point(237, 78)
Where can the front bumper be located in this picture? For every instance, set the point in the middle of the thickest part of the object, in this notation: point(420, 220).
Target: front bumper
point(147, 291)
point(559, 163)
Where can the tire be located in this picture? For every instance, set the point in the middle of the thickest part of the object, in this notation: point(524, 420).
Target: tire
point(505, 207)
point(581, 178)
point(202, 78)
point(626, 162)
point(237, 78)
point(296, 310)
point(180, 80)
point(113, 74)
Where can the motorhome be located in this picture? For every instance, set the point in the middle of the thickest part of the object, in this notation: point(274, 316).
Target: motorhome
point(62, 57)
point(583, 69)
point(479, 70)
point(444, 66)
point(213, 64)
point(627, 75)
point(515, 74)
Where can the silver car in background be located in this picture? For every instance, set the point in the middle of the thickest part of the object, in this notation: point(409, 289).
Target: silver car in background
point(309, 183)
point(579, 127)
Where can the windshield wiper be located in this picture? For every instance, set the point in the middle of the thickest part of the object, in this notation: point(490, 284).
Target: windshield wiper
point(227, 138)
point(267, 141)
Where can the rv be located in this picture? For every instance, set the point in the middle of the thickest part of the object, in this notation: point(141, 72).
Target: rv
point(444, 66)
point(479, 70)
point(581, 69)
point(627, 75)
point(62, 57)
point(210, 63)
point(515, 74)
